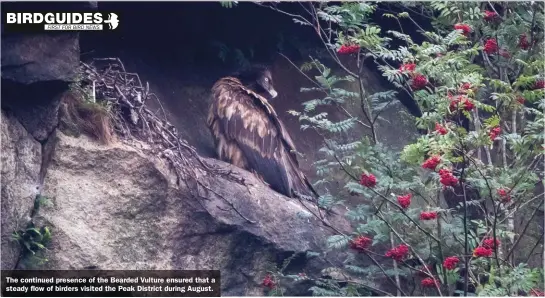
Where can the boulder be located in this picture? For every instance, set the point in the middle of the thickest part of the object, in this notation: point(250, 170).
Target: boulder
point(43, 57)
point(35, 70)
point(21, 164)
point(116, 207)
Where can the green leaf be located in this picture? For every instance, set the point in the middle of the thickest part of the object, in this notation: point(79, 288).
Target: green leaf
point(338, 241)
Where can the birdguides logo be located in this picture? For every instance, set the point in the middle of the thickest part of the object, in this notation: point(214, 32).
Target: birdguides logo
point(61, 21)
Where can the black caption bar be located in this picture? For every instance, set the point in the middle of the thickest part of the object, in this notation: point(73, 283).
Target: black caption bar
point(110, 283)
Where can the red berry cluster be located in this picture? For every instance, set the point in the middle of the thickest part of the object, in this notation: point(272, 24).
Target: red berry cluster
point(540, 84)
point(466, 29)
point(432, 162)
point(440, 129)
point(491, 243)
point(503, 193)
point(348, 49)
point(468, 105)
point(465, 86)
point(494, 133)
point(450, 263)
point(268, 282)
point(368, 180)
point(428, 215)
point(490, 15)
point(361, 243)
point(419, 81)
point(404, 201)
point(398, 253)
point(520, 100)
point(482, 251)
point(490, 46)
point(461, 101)
point(407, 67)
point(447, 178)
point(454, 103)
point(523, 42)
point(429, 282)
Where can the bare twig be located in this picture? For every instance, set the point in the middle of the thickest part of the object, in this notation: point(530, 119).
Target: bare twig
point(227, 201)
point(132, 119)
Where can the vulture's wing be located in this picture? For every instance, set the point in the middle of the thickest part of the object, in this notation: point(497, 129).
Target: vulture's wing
point(249, 120)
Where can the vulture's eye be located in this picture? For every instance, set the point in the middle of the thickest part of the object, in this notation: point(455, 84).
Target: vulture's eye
point(266, 79)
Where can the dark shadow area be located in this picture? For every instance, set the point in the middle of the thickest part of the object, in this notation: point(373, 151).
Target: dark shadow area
point(189, 45)
point(190, 35)
point(182, 48)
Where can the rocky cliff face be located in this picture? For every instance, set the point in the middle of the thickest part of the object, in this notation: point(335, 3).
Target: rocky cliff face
point(117, 206)
point(21, 163)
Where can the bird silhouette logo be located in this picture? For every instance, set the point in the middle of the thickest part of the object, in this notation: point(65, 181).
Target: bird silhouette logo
point(112, 21)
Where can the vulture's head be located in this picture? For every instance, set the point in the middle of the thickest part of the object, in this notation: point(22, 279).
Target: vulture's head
point(259, 79)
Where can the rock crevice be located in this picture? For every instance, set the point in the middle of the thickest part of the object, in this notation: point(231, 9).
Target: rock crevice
point(21, 163)
point(36, 69)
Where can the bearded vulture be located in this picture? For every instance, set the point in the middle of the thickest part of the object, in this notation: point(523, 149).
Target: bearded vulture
point(248, 133)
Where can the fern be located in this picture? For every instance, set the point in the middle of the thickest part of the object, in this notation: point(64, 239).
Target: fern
point(338, 241)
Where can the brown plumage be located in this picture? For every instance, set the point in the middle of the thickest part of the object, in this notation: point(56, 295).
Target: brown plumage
point(249, 134)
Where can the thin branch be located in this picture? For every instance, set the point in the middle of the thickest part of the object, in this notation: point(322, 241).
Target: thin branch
point(524, 230)
point(324, 91)
point(408, 217)
point(412, 249)
point(533, 248)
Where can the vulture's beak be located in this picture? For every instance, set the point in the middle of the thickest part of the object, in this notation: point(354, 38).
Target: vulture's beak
point(273, 93)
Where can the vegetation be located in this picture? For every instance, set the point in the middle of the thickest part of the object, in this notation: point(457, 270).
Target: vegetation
point(80, 112)
point(448, 201)
point(33, 240)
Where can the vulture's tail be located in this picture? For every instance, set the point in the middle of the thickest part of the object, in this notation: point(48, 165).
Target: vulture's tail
point(298, 181)
point(301, 187)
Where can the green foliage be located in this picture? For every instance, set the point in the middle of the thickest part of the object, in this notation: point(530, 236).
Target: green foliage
point(40, 201)
point(512, 281)
point(77, 86)
point(462, 80)
point(338, 241)
point(33, 242)
point(32, 239)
